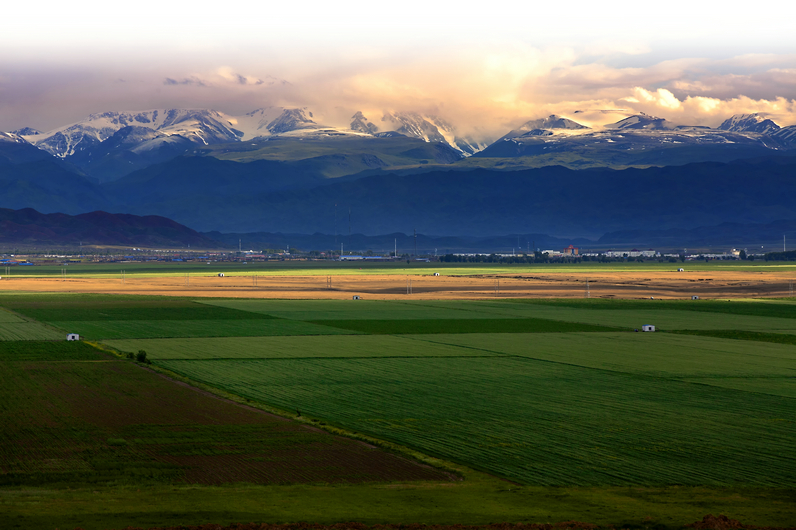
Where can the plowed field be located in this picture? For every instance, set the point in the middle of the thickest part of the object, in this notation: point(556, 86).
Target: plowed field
point(90, 420)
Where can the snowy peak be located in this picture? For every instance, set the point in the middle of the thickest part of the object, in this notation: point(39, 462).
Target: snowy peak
point(291, 120)
point(643, 121)
point(413, 125)
point(551, 122)
point(26, 131)
point(786, 135)
point(429, 128)
point(12, 138)
point(361, 124)
point(199, 126)
point(749, 123)
point(548, 126)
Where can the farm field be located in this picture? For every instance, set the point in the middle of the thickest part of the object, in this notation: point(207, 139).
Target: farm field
point(366, 268)
point(75, 415)
point(310, 280)
point(598, 314)
point(587, 419)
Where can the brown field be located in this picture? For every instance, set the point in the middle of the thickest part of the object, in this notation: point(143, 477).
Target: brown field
point(112, 420)
point(608, 284)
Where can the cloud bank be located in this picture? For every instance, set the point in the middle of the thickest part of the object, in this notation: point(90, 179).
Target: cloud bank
point(485, 72)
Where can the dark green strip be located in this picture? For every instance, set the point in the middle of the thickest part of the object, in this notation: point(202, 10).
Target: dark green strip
point(778, 338)
point(478, 325)
point(760, 309)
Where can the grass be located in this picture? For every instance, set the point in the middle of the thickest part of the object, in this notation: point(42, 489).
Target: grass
point(632, 318)
point(7, 317)
point(461, 325)
point(49, 351)
point(756, 308)
point(532, 421)
point(145, 329)
point(610, 428)
point(317, 310)
point(103, 307)
point(776, 338)
point(664, 355)
point(86, 423)
point(14, 331)
point(476, 500)
point(340, 346)
point(664, 314)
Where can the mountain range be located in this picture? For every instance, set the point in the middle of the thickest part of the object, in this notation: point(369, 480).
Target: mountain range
point(107, 146)
point(281, 170)
point(29, 227)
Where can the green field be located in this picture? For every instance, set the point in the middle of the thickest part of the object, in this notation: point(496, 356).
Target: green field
point(587, 419)
point(123, 329)
point(541, 421)
point(320, 347)
point(28, 331)
point(325, 268)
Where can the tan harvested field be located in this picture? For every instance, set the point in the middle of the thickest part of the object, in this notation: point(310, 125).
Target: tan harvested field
point(601, 284)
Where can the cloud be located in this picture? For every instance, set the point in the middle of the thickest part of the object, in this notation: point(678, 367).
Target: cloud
point(483, 89)
point(184, 81)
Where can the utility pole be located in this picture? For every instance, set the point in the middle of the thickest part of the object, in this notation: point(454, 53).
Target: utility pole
point(588, 294)
point(415, 242)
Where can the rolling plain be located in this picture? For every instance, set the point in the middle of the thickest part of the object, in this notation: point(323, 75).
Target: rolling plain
point(414, 409)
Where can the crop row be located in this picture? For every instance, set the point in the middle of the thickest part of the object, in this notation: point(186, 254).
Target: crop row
point(534, 421)
point(19, 331)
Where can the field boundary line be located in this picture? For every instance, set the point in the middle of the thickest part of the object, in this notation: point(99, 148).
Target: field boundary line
point(457, 471)
point(338, 358)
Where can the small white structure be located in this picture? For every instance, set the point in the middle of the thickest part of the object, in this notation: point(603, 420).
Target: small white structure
point(436, 274)
point(220, 274)
point(695, 297)
point(647, 327)
point(356, 297)
point(681, 269)
point(73, 336)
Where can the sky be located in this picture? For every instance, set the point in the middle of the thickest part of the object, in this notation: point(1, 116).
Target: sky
point(485, 67)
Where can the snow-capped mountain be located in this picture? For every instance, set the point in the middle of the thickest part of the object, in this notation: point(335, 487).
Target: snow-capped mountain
point(198, 126)
point(749, 123)
point(12, 138)
point(269, 121)
point(786, 135)
point(643, 140)
point(427, 127)
point(27, 131)
point(360, 123)
point(643, 122)
point(549, 126)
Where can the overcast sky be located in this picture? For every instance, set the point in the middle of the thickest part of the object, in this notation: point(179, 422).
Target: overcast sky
point(485, 67)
